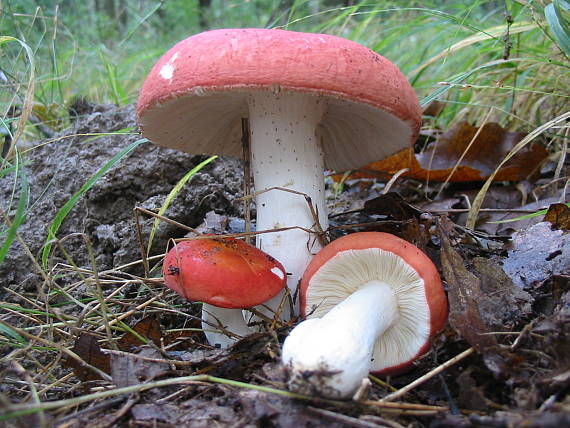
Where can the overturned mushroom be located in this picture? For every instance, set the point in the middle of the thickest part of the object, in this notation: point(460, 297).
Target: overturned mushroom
point(373, 302)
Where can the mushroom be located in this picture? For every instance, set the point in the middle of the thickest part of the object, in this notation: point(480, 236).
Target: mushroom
point(223, 273)
point(312, 100)
point(373, 302)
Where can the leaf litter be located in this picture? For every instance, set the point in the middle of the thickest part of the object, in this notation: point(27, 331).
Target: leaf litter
point(503, 360)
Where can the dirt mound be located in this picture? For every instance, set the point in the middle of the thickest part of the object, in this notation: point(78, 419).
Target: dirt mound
point(58, 169)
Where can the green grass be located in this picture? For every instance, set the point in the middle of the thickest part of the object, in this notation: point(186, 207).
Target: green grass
point(107, 62)
point(467, 55)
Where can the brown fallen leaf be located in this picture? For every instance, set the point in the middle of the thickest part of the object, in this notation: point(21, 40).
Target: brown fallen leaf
point(131, 369)
point(464, 295)
point(470, 395)
point(148, 327)
point(502, 304)
point(559, 216)
point(156, 413)
point(391, 205)
point(434, 108)
point(536, 254)
point(87, 347)
point(464, 292)
point(436, 163)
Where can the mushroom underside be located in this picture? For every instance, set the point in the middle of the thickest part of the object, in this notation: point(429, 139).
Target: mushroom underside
point(366, 312)
point(353, 134)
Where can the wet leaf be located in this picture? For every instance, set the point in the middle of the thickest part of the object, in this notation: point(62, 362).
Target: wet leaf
point(87, 347)
point(148, 328)
point(464, 294)
point(129, 369)
point(559, 216)
point(503, 305)
point(391, 205)
point(156, 413)
point(536, 254)
point(486, 151)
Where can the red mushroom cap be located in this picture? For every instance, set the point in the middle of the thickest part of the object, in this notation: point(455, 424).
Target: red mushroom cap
point(195, 95)
point(223, 272)
point(433, 289)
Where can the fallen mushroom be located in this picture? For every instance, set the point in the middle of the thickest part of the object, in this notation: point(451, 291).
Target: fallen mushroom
point(223, 273)
point(373, 302)
point(313, 101)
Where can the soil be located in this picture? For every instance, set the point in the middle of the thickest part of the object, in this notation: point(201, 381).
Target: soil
point(518, 373)
point(105, 214)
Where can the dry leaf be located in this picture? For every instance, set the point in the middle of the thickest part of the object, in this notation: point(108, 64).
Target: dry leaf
point(464, 294)
point(391, 205)
point(129, 369)
point(87, 347)
point(559, 216)
point(148, 328)
point(536, 254)
point(436, 163)
point(502, 305)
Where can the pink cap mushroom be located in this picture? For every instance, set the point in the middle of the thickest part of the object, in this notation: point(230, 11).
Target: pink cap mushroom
point(313, 101)
point(373, 302)
point(223, 273)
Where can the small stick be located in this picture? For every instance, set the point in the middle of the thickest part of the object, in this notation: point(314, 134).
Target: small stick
point(167, 220)
point(246, 177)
point(132, 311)
point(141, 243)
point(319, 230)
point(402, 391)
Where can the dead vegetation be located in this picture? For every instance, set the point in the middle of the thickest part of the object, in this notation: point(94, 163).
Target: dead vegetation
point(113, 348)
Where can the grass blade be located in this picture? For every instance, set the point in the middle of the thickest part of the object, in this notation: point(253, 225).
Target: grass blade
point(20, 215)
point(478, 201)
point(489, 33)
point(62, 213)
point(523, 217)
point(28, 98)
point(6, 331)
point(117, 89)
point(557, 14)
point(175, 190)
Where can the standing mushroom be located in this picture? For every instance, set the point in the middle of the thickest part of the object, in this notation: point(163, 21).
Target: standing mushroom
point(313, 101)
point(373, 302)
point(223, 273)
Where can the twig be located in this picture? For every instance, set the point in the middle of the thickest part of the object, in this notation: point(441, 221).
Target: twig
point(132, 311)
point(167, 220)
point(342, 419)
point(427, 376)
point(319, 230)
point(142, 245)
point(63, 349)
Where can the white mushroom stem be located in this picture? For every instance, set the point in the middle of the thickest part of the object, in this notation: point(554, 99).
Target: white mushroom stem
point(330, 356)
point(286, 153)
point(231, 320)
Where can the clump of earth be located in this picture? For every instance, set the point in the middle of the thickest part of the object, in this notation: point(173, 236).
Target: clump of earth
point(104, 214)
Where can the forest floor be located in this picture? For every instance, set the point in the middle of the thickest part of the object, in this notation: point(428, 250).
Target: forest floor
point(93, 341)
